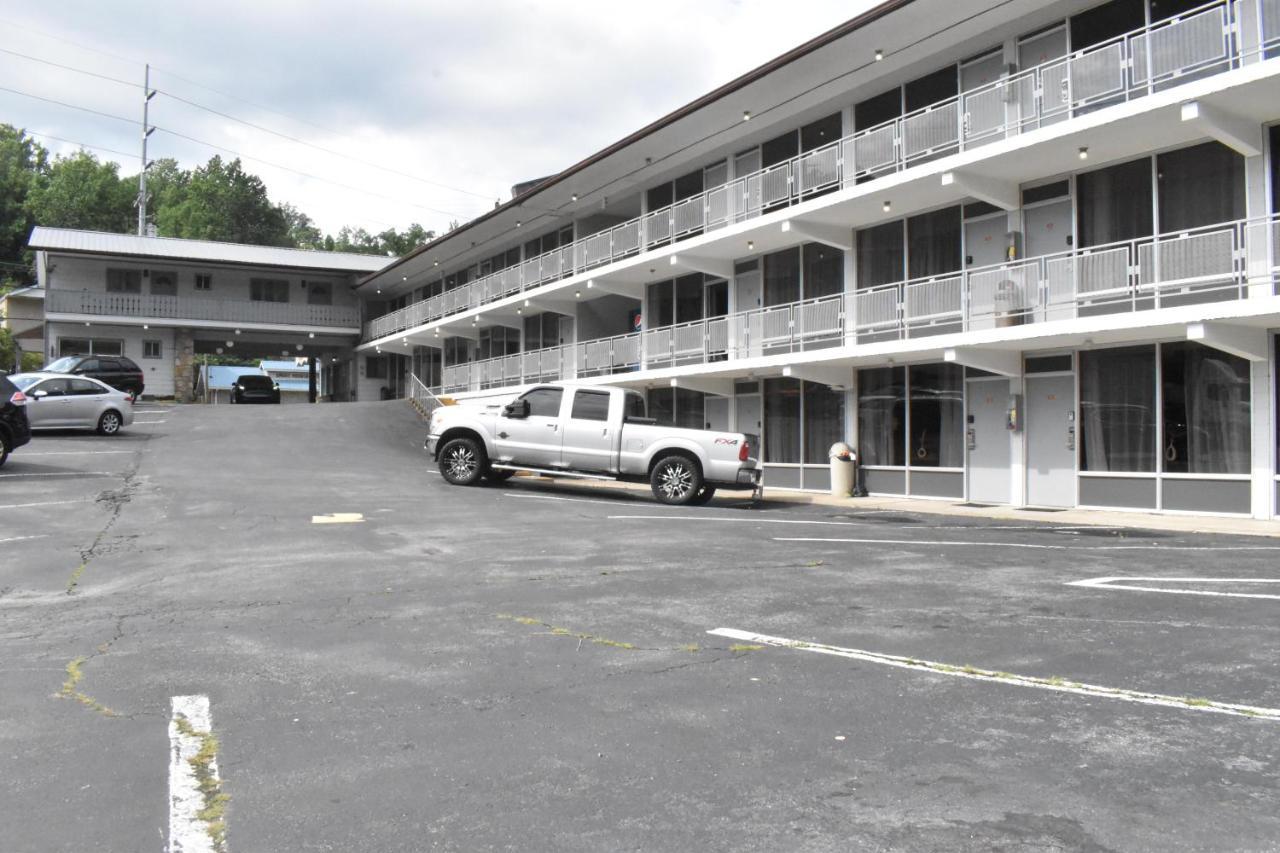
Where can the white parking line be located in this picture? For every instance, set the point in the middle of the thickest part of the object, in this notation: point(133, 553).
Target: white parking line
point(22, 538)
point(73, 452)
point(47, 503)
point(949, 543)
point(64, 474)
point(1108, 583)
point(190, 731)
point(1059, 685)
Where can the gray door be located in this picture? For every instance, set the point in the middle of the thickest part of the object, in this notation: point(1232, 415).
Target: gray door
point(987, 440)
point(747, 331)
point(1051, 440)
point(85, 401)
point(588, 439)
point(984, 241)
point(748, 414)
point(533, 441)
point(717, 413)
point(1048, 231)
point(49, 404)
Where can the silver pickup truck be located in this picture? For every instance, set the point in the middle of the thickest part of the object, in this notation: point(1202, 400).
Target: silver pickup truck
point(594, 432)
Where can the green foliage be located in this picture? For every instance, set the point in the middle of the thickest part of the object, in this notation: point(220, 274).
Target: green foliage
point(216, 201)
point(21, 160)
point(80, 191)
point(221, 201)
point(8, 349)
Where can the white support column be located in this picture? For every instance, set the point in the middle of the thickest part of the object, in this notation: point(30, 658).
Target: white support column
point(1262, 438)
point(1018, 448)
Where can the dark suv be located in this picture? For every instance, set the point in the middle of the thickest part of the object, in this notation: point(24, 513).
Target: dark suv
point(115, 370)
point(255, 388)
point(14, 429)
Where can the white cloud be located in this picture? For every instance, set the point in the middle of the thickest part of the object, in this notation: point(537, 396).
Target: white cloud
point(476, 96)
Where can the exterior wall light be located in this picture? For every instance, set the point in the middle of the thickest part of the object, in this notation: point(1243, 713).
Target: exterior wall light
point(750, 245)
point(573, 197)
point(879, 55)
point(888, 206)
point(1083, 154)
point(746, 115)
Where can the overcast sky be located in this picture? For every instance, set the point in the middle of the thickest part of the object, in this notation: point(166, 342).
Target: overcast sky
point(465, 97)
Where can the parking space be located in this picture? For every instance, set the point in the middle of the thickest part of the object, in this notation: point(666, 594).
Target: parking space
point(553, 666)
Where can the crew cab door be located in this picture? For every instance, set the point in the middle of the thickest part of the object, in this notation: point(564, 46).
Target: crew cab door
point(533, 440)
point(589, 433)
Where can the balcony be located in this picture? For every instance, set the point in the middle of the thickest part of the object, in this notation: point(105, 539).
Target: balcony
point(1167, 53)
point(192, 310)
point(1220, 263)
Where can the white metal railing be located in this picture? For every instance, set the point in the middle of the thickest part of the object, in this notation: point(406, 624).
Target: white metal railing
point(1214, 263)
point(1186, 46)
point(97, 303)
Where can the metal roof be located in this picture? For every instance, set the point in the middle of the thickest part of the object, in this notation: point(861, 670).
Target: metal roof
point(104, 243)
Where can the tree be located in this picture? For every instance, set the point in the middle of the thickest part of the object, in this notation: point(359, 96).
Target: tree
point(394, 243)
point(221, 201)
point(80, 191)
point(21, 159)
point(303, 233)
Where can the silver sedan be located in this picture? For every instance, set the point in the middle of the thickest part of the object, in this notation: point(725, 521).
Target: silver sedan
point(58, 401)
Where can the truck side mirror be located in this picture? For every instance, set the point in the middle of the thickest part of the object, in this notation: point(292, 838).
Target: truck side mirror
point(516, 409)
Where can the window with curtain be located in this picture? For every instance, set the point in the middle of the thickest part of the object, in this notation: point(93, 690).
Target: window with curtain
point(662, 405)
point(1206, 410)
point(881, 255)
point(1201, 185)
point(690, 408)
point(823, 421)
point(1118, 410)
point(823, 270)
point(782, 277)
point(933, 243)
point(688, 290)
point(1114, 203)
point(782, 420)
point(937, 416)
point(662, 305)
point(882, 411)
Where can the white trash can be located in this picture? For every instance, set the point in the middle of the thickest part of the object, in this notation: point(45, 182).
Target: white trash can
point(843, 469)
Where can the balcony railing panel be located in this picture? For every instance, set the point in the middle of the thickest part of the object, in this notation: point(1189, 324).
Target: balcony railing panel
point(1199, 41)
point(197, 308)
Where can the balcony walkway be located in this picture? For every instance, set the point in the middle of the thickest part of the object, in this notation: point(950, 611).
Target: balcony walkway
point(192, 310)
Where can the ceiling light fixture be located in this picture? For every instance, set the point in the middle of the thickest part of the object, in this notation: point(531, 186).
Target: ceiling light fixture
point(746, 115)
point(573, 197)
point(888, 206)
point(751, 245)
point(1083, 153)
point(237, 331)
point(879, 55)
point(577, 294)
point(311, 335)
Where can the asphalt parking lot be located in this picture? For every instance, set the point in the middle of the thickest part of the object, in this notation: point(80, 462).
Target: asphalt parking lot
point(391, 664)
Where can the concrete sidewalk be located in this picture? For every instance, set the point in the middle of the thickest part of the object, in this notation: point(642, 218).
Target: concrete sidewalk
point(1236, 526)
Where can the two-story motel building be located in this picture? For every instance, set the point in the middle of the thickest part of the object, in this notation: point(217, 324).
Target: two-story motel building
point(167, 302)
point(1019, 252)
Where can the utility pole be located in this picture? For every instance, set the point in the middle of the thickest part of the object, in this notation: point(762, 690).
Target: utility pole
point(147, 94)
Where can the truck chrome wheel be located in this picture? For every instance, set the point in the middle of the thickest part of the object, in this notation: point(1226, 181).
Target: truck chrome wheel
point(675, 480)
point(461, 462)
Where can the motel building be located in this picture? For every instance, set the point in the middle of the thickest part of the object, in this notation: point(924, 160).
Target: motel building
point(1022, 253)
point(166, 303)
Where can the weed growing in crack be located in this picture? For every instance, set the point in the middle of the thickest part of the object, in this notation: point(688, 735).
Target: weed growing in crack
point(745, 647)
point(69, 689)
point(213, 814)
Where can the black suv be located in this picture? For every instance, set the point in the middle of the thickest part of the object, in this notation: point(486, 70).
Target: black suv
point(115, 370)
point(14, 429)
point(255, 388)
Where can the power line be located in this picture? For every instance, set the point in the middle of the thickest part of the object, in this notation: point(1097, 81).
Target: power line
point(78, 142)
point(231, 151)
point(333, 153)
point(69, 68)
point(329, 151)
